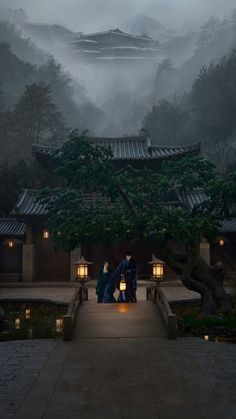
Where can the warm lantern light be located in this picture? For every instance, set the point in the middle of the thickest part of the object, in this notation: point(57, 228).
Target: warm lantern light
point(59, 325)
point(221, 242)
point(10, 243)
point(157, 268)
point(206, 338)
point(122, 285)
point(82, 269)
point(27, 313)
point(17, 324)
point(46, 234)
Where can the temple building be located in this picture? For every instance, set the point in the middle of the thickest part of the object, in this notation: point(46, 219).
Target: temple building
point(28, 254)
point(114, 45)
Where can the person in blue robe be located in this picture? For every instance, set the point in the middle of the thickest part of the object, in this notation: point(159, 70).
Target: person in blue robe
point(105, 285)
point(126, 273)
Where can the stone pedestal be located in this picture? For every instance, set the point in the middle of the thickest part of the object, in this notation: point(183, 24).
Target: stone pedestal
point(75, 255)
point(205, 251)
point(29, 263)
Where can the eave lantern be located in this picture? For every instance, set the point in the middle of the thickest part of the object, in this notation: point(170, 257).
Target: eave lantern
point(157, 269)
point(82, 270)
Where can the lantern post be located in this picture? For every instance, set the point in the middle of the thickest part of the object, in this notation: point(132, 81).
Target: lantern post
point(157, 269)
point(82, 276)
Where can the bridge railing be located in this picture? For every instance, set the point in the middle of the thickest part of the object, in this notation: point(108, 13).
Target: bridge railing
point(80, 295)
point(169, 318)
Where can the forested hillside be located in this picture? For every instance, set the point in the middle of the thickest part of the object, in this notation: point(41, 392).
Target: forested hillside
point(206, 114)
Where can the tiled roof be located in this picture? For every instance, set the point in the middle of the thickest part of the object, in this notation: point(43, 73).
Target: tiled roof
point(228, 226)
point(28, 204)
point(194, 198)
point(197, 197)
point(12, 227)
point(132, 148)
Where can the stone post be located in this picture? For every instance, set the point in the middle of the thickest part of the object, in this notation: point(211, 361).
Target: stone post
point(75, 255)
point(28, 262)
point(205, 251)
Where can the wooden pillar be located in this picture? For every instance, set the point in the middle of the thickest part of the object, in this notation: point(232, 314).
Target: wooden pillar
point(75, 255)
point(205, 251)
point(29, 257)
point(28, 262)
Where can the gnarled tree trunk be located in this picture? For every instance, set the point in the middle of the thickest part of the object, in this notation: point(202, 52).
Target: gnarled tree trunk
point(197, 276)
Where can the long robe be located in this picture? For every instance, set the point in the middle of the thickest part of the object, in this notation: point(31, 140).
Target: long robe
point(105, 287)
point(128, 271)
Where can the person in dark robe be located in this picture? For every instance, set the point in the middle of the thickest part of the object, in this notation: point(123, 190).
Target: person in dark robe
point(126, 279)
point(105, 285)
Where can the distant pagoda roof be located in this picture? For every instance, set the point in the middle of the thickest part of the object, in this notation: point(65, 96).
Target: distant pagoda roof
point(11, 227)
point(115, 32)
point(130, 148)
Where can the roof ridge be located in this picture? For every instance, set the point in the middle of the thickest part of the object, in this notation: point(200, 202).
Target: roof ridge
point(176, 146)
point(15, 219)
point(128, 138)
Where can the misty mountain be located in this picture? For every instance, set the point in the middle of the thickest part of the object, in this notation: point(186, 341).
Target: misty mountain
point(215, 39)
point(146, 25)
point(20, 45)
point(180, 48)
point(17, 16)
point(48, 33)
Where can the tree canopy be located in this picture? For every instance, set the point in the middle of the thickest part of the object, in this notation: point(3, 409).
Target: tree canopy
point(131, 204)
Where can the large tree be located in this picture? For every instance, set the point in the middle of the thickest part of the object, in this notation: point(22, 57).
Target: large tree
point(141, 205)
point(36, 117)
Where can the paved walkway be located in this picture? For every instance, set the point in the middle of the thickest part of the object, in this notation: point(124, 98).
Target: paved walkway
point(121, 365)
point(64, 294)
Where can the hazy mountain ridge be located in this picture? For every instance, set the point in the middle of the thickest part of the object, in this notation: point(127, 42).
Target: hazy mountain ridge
point(143, 24)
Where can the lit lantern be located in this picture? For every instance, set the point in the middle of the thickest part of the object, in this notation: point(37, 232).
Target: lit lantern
point(157, 268)
point(82, 269)
point(122, 285)
point(206, 338)
point(59, 325)
point(10, 243)
point(221, 242)
point(46, 234)
point(17, 324)
point(27, 313)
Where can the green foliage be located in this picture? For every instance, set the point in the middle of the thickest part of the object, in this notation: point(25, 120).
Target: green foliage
point(169, 122)
point(37, 118)
point(99, 203)
point(206, 114)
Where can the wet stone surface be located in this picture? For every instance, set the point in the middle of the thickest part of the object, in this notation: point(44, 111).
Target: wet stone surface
point(20, 364)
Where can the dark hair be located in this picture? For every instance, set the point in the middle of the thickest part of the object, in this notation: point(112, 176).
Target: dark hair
point(128, 253)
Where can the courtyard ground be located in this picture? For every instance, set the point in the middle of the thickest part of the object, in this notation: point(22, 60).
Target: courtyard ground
point(119, 365)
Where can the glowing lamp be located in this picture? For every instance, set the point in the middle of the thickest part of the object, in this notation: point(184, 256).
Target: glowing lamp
point(59, 325)
point(221, 242)
point(206, 338)
point(157, 268)
point(17, 324)
point(27, 313)
point(10, 243)
point(122, 285)
point(82, 267)
point(46, 234)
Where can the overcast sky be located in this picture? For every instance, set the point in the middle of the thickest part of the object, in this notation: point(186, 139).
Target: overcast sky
point(91, 15)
